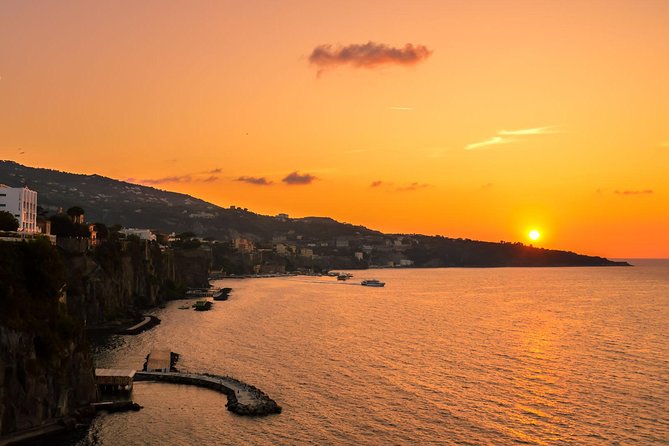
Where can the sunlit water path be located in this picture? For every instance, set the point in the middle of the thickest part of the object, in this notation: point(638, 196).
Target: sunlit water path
point(439, 356)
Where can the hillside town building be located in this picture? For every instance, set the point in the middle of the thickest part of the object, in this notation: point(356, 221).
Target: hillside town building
point(21, 202)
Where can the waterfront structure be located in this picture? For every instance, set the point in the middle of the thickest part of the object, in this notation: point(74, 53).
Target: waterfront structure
point(159, 361)
point(21, 202)
point(114, 379)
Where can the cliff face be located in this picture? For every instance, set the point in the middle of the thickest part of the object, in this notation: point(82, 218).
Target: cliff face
point(119, 279)
point(46, 369)
point(37, 387)
point(191, 267)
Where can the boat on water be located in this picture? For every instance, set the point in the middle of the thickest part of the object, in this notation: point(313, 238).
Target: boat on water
point(184, 307)
point(372, 282)
point(222, 294)
point(342, 277)
point(198, 292)
point(202, 305)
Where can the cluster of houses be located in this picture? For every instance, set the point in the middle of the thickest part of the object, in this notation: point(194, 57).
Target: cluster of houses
point(342, 251)
point(290, 250)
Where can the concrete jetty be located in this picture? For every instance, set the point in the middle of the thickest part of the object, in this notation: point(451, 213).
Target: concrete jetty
point(243, 399)
point(144, 324)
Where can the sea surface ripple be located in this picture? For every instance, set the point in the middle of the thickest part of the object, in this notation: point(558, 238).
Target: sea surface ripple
point(439, 356)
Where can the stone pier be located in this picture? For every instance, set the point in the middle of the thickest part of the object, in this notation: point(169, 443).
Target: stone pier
point(243, 399)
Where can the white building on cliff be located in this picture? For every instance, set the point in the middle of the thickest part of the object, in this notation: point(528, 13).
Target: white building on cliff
point(21, 202)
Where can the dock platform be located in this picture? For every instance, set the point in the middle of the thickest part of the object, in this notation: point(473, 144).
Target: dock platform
point(114, 379)
point(159, 361)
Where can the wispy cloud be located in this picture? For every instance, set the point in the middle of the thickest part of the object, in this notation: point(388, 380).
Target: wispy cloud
point(401, 108)
point(493, 140)
point(367, 55)
point(258, 181)
point(295, 178)
point(633, 192)
point(502, 136)
point(389, 186)
point(412, 187)
point(214, 171)
point(664, 144)
point(547, 130)
point(168, 179)
point(179, 179)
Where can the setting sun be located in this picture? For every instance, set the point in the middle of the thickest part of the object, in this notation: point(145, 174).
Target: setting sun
point(534, 234)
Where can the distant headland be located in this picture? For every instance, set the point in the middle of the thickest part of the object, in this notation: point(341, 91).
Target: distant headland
point(243, 242)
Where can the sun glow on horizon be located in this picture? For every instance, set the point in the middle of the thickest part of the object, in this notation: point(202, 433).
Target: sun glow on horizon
point(534, 235)
point(349, 103)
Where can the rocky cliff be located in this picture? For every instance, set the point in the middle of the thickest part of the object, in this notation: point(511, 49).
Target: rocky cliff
point(37, 386)
point(48, 295)
point(46, 370)
point(119, 279)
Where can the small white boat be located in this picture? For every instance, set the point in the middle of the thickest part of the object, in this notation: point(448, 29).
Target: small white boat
point(372, 282)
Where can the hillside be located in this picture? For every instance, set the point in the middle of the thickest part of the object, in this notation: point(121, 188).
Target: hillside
point(131, 205)
point(118, 202)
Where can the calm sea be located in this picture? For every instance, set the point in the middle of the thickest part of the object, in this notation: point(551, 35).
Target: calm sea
point(439, 356)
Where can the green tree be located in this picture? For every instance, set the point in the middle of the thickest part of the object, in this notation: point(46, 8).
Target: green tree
point(8, 222)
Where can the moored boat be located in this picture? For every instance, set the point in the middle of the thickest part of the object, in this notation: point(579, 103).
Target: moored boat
point(372, 282)
point(222, 294)
point(202, 305)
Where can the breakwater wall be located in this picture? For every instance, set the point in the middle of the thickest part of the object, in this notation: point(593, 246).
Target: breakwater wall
point(243, 399)
point(146, 323)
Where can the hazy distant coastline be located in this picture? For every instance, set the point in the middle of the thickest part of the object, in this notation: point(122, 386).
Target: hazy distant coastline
point(242, 240)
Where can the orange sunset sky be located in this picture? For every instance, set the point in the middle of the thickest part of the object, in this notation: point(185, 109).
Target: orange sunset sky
point(474, 119)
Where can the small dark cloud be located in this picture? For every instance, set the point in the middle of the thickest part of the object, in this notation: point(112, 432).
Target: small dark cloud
point(186, 178)
point(412, 187)
point(215, 171)
point(389, 186)
point(367, 55)
point(633, 192)
point(259, 181)
point(487, 186)
point(296, 178)
point(168, 179)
